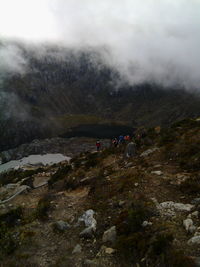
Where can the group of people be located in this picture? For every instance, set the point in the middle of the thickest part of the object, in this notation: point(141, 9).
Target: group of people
point(120, 140)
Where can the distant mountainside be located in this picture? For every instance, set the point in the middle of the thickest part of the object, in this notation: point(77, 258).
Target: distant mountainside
point(62, 89)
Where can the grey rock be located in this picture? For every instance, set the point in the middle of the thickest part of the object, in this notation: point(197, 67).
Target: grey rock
point(197, 261)
point(77, 249)
point(61, 226)
point(109, 251)
point(148, 152)
point(196, 201)
point(188, 223)
point(129, 165)
point(192, 229)
point(87, 233)
point(195, 240)
point(90, 263)
point(110, 235)
point(88, 219)
point(146, 223)
point(157, 172)
point(176, 206)
point(122, 203)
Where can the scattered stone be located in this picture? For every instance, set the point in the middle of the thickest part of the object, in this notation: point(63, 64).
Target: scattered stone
point(88, 219)
point(146, 223)
point(187, 224)
point(176, 206)
point(192, 229)
point(157, 166)
point(197, 261)
point(109, 251)
point(197, 233)
point(157, 172)
point(194, 240)
point(148, 152)
point(110, 235)
point(77, 249)
point(136, 184)
point(87, 233)
point(129, 165)
point(196, 201)
point(122, 203)
point(90, 263)
point(194, 214)
point(61, 226)
point(169, 208)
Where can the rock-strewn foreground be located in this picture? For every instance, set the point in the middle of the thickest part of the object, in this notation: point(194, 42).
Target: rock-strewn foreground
point(106, 210)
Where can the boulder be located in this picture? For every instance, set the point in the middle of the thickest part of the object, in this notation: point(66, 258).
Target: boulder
point(88, 219)
point(148, 152)
point(157, 172)
point(146, 223)
point(109, 251)
point(196, 201)
point(61, 226)
point(110, 235)
point(90, 263)
point(192, 229)
point(77, 249)
point(195, 240)
point(87, 233)
point(188, 223)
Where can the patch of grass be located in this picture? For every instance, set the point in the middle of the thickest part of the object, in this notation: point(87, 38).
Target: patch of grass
point(15, 176)
point(43, 207)
point(11, 217)
point(8, 242)
point(133, 240)
point(60, 174)
point(191, 185)
point(161, 243)
point(92, 160)
point(8, 239)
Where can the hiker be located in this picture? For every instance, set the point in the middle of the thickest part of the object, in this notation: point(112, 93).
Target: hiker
point(130, 150)
point(121, 139)
point(98, 145)
point(127, 138)
point(115, 142)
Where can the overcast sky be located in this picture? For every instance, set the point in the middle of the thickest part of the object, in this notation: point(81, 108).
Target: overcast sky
point(148, 39)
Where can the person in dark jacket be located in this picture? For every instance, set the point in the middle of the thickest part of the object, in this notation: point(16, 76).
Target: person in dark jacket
point(98, 145)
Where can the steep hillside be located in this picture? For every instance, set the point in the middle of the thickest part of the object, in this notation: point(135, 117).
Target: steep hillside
point(61, 89)
point(103, 209)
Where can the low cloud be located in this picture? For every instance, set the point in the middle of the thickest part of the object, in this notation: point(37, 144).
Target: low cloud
point(12, 59)
point(146, 41)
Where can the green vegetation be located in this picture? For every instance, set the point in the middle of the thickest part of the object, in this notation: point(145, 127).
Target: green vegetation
point(191, 185)
point(59, 175)
point(43, 207)
point(15, 176)
point(8, 239)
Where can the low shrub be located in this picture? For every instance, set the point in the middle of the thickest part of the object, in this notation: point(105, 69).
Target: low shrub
point(43, 207)
point(191, 185)
point(8, 239)
point(17, 175)
point(11, 217)
point(60, 174)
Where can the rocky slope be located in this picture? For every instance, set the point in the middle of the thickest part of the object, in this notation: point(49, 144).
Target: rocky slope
point(104, 209)
point(61, 89)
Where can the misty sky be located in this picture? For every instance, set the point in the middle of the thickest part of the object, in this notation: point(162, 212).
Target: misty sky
point(145, 40)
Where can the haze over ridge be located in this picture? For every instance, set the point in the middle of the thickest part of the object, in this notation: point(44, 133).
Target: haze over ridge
point(145, 40)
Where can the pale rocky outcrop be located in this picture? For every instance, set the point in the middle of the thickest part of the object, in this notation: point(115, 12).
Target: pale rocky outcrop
point(110, 235)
